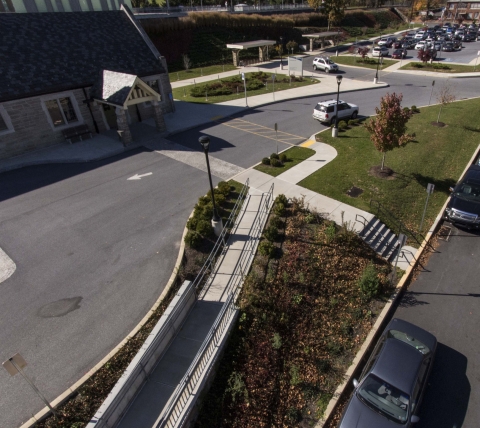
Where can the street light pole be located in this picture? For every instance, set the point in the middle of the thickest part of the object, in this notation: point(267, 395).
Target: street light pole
point(216, 219)
point(380, 60)
point(281, 51)
point(335, 128)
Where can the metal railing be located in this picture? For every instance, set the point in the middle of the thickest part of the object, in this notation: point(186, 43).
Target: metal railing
point(220, 243)
point(173, 411)
point(387, 217)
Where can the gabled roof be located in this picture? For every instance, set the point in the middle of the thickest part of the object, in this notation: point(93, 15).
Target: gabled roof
point(42, 53)
point(116, 88)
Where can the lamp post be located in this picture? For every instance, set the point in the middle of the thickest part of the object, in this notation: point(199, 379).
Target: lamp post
point(335, 128)
point(216, 219)
point(281, 51)
point(380, 61)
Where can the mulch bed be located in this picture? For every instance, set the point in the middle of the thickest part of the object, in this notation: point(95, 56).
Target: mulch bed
point(386, 173)
point(439, 124)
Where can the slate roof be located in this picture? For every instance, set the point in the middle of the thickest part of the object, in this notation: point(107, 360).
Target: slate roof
point(113, 87)
point(41, 53)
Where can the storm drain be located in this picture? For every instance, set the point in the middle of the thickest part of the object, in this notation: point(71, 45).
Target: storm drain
point(444, 233)
point(354, 192)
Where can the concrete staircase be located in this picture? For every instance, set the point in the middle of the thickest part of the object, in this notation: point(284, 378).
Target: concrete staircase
point(380, 238)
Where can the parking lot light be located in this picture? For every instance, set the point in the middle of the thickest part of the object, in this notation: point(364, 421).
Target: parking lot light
point(380, 61)
point(335, 128)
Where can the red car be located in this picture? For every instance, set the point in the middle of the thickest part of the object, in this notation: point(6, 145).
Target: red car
point(399, 53)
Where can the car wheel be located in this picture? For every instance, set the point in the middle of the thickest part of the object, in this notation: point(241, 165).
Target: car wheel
point(354, 115)
point(314, 67)
point(327, 70)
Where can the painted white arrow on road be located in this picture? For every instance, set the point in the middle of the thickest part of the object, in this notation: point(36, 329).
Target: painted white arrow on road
point(139, 176)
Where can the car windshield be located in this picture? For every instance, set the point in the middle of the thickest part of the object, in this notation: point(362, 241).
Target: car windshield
point(412, 341)
point(329, 61)
point(384, 399)
point(468, 191)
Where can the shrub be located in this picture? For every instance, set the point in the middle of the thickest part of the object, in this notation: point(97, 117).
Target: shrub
point(276, 222)
point(193, 239)
point(351, 122)
point(204, 228)
point(276, 341)
point(282, 199)
point(416, 65)
point(266, 248)
point(280, 209)
point(220, 198)
point(207, 211)
point(271, 233)
point(274, 156)
point(330, 232)
point(275, 162)
point(342, 125)
point(266, 161)
point(283, 157)
point(253, 85)
point(192, 223)
point(224, 188)
point(369, 282)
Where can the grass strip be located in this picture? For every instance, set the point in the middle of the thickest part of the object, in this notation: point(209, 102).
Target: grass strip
point(439, 67)
point(358, 62)
point(199, 72)
point(295, 155)
point(438, 156)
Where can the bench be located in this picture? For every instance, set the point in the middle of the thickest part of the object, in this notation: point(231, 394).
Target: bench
point(77, 133)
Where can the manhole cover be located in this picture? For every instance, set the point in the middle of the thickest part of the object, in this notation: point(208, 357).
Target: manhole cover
point(444, 233)
point(354, 192)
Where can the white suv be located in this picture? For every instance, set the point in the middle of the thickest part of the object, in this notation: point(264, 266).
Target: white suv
point(324, 63)
point(326, 111)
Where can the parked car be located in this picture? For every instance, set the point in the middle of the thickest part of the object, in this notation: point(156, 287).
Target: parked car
point(457, 44)
point(399, 53)
point(398, 44)
point(387, 41)
point(468, 38)
point(420, 35)
point(447, 47)
point(326, 111)
point(379, 51)
point(421, 45)
point(324, 63)
point(393, 382)
point(438, 46)
point(464, 205)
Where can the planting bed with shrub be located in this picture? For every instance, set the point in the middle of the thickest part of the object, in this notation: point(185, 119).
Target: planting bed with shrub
point(279, 163)
point(305, 309)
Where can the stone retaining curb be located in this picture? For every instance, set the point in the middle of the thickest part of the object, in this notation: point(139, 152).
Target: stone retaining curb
point(70, 391)
point(352, 370)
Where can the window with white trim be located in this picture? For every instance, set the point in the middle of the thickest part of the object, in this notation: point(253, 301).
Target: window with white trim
point(62, 110)
point(474, 5)
point(6, 126)
point(451, 6)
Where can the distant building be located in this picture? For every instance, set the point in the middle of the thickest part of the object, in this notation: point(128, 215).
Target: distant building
point(466, 10)
point(60, 71)
point(32, 6)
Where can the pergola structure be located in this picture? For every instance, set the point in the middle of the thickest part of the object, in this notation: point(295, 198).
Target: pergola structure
point(121, 90)
point(321, 36)
point(262, 49)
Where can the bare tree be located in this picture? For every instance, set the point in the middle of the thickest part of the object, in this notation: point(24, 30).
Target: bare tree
point(445, 96)
point(186, 62)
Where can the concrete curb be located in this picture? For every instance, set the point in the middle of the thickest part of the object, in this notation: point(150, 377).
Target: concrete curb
point(70, 391)
point(369, 341)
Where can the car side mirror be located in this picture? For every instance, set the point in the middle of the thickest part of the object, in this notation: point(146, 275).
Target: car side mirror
point(355, 383)
point(451, 189)
point(414, 419)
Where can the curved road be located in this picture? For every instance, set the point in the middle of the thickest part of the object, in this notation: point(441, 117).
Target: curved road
point(94, 250)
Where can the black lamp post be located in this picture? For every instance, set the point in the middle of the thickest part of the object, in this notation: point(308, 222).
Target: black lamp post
point(380, 61)
point(216, 219)
point(281, 50)
point(335, 128)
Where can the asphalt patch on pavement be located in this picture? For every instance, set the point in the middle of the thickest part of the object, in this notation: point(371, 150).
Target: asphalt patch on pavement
point(60, 307)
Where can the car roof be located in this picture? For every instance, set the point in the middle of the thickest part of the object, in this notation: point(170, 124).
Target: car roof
point(330, 102)
point(398, 365)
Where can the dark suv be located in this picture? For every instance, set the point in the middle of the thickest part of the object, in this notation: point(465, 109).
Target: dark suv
point(464, 205)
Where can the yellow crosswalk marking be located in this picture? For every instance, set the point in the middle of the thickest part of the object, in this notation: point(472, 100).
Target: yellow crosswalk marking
point(307, 143)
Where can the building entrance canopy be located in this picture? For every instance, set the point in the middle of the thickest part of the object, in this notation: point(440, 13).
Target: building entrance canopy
point(262, 49)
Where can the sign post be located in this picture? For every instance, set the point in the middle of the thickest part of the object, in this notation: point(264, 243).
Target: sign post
point(273, 86)
point(431, 93)
point(276, 135)
point(15, 365)
point(475, 66)
point(430, 188)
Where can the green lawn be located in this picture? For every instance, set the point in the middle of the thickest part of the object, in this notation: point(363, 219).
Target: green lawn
point(358, 62)
point(438, 156)
point(295, 155)
point(183, 93)
point(199, 72)
point(453, 68)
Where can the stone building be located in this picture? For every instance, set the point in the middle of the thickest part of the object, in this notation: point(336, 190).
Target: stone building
point(62, 70)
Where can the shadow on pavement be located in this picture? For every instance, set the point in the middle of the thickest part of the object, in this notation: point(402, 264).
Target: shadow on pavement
point(446, 399)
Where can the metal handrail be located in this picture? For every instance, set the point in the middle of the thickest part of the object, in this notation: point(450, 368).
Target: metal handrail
point(398, 223)
point(220, 243)
point(174, 408)
point(176, 404)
